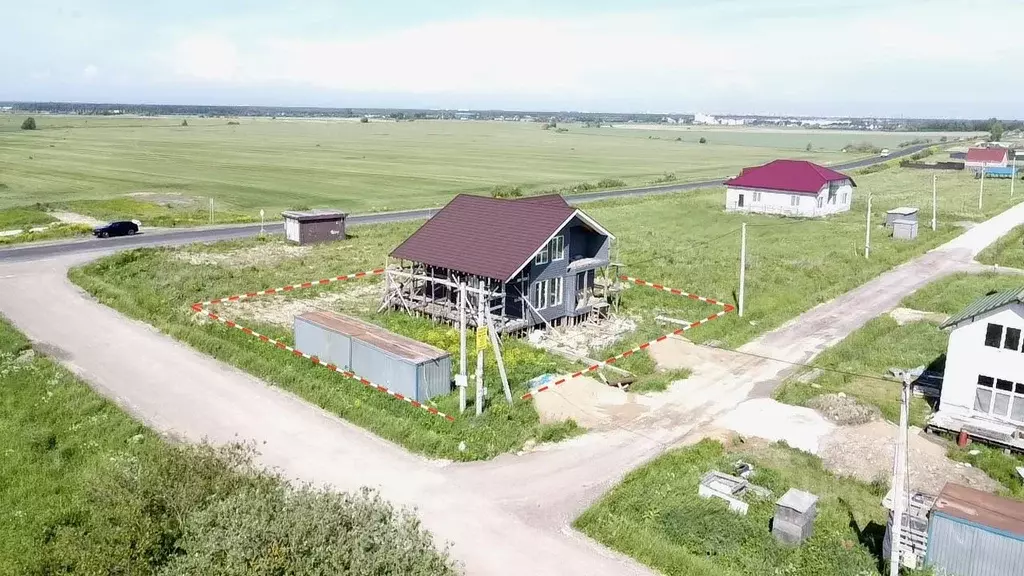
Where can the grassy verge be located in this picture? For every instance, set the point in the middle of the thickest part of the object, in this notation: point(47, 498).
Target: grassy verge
point(24, 217)
point(869, 353)
point(1007, 251)
point(55, 232)
point(998, 465)
point(156, 286)
point(656, 517)
point(155, 214)
point(85, 489)
point(953, 294)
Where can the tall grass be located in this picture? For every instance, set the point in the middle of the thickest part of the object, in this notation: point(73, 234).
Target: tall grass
point(656, 517)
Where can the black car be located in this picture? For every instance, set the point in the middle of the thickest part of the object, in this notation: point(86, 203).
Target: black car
point(121, 228)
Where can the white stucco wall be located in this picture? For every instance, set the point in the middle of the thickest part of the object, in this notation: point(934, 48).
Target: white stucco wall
point(967, 357)
point(778, 202)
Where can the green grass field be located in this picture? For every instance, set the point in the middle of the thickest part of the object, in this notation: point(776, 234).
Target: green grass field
point(1008, 251)
point(656, 517)
point(278, 164)
point(683, 240)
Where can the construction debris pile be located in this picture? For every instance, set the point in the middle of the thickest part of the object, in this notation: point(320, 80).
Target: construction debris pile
point(580, 340)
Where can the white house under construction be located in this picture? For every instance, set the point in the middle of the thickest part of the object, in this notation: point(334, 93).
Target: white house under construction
point(535, 260)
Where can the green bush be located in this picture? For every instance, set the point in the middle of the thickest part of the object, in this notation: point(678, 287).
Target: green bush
point(665, 178)
point(29, 124)
point(506, 191)
point(271, 530)
point(703, 140)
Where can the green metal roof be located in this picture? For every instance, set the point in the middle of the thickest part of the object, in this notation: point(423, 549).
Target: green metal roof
point(986, 304)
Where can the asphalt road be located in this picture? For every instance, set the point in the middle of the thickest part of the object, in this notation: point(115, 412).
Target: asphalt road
point(181, 236)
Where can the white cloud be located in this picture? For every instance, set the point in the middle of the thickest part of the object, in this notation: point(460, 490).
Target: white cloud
point(90, 71)
point(677, 56)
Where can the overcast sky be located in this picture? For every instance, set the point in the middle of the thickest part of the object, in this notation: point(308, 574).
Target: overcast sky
point(829, 57)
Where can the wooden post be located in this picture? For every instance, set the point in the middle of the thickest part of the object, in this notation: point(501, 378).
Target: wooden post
point(934, 199)
point(479, 400)
point(743, 265)
point(497, 357)
point(867, 235)
point(462, 381)
point(981, 186)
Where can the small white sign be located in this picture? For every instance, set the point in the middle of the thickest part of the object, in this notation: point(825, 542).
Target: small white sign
point(461, 380)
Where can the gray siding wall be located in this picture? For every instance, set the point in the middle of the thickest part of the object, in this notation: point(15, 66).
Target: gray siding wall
point(434, 378)
point(580, 242)
point(331, 347)
point(958, 548)
point(380, 368)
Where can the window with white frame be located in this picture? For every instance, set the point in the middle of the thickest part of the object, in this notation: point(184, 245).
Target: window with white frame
point(842, 198)
point(557, 246)
point(548, 293)
point(542, 256)
point(999, 397)
point(794, 200)
point(757, 196)
point(821, 201)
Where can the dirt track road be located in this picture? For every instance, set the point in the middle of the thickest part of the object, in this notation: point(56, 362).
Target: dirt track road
point(507, 516)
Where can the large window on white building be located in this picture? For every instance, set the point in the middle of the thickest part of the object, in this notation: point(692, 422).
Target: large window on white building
point(999, 397)
point(1006, 337)
point(794, 200)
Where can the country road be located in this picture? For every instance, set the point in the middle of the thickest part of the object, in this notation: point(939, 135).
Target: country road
point(179, 236)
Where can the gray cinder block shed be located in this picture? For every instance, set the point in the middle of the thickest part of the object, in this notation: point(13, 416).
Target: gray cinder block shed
point(314, 226)
point(794, 516)
point(411, 368)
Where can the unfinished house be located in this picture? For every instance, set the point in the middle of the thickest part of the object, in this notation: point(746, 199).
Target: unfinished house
point(519, 263)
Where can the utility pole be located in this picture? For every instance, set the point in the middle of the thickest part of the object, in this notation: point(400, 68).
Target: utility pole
point(934, 199)
point(743, 264)
point(461, 381)
point(1013, 175)
point(261, 222)
point(899, 474)
point(867, 235)
point(211, 210)
point(479, 400)
point(981, 187)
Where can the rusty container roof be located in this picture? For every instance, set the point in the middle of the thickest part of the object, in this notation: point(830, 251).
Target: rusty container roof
point(981, 508)
point(397, 345)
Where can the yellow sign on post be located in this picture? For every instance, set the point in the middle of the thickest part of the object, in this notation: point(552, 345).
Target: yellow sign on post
point(482, 343)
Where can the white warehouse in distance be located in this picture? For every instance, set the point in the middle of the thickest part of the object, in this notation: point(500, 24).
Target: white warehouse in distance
point(789, 188)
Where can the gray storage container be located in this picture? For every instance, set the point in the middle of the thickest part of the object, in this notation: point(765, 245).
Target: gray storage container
point(403, 365)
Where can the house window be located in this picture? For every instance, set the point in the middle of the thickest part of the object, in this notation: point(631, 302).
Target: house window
point(794, 200)
point(833, 187)
point(542, 256)
point(757, 196)
point(555, 291)
point(1012, 341)
point(843, 198)
point(540, 295)
point(821, 201)
point(557, 248)
point(994, 335)
point(999, 397)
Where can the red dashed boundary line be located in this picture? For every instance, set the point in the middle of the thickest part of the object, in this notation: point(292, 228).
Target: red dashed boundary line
point(200, 308)
point(726, 308)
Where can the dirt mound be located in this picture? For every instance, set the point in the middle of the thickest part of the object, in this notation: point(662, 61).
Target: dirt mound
point(842, 409)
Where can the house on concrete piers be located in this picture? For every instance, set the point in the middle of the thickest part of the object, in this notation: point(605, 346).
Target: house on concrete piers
point(533, 260)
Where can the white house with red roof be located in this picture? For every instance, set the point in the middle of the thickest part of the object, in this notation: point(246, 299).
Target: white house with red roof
point(994, 157)
point(789, 188)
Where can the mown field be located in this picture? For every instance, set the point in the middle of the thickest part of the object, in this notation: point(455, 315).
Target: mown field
point(1008, 251)
point(856, 365)
point(86, 489)
point(656, 517)
point(683, 240)
point(277, 164)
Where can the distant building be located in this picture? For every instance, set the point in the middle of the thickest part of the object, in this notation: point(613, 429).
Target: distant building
point(983, 384)
point(979, 158)
point(791, 188)
point(699, 118)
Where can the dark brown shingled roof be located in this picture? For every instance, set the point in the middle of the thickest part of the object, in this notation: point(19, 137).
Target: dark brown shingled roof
point(489, 237)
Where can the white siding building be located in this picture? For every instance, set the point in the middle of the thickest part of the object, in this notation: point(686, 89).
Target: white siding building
point(983, 384)
point(790, 188)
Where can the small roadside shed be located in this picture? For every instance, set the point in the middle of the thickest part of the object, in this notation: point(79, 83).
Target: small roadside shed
point(974, 533)
point(314, 226)
point(411, 368)
point(901, 213)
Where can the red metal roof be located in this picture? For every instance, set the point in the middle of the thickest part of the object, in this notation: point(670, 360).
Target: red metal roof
point(489, 237)
point(988, 155)
point(981, 508)
point(798, 176)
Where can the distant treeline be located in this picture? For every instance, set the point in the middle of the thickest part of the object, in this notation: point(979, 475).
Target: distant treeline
point(964, 125)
